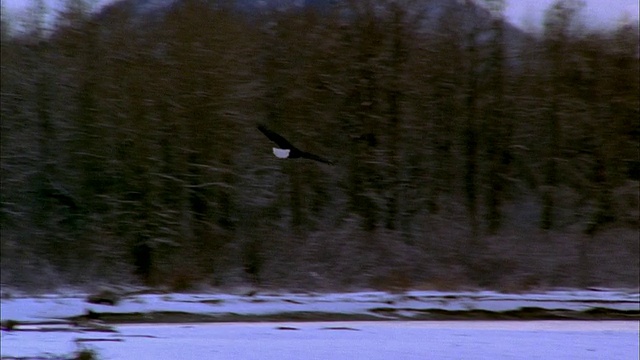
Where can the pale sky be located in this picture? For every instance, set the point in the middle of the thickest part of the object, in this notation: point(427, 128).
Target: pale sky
point(596, 13)
point(526, 14)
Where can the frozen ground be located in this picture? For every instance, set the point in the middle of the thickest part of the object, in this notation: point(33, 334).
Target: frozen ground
point(270, 326)
point(423, 305)
point(396, 340)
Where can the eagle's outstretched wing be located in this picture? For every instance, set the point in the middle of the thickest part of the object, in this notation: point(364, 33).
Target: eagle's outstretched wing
point(315, 157)
point(276, 138)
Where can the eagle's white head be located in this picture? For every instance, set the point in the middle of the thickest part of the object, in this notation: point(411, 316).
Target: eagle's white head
point(281, 153)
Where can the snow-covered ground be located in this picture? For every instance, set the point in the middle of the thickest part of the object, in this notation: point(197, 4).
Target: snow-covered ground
point(44, 330)
point(375, 304)
point(382, 340)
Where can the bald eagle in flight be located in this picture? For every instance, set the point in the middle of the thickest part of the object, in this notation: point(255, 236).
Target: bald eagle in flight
point(286, 150)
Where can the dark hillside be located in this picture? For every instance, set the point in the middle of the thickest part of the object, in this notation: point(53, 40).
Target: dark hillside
point(467, 153)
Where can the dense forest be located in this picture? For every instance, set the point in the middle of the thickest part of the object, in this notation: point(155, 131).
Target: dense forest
point(467, 153)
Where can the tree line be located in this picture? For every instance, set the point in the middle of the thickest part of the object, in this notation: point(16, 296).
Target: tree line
point(466, 152)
